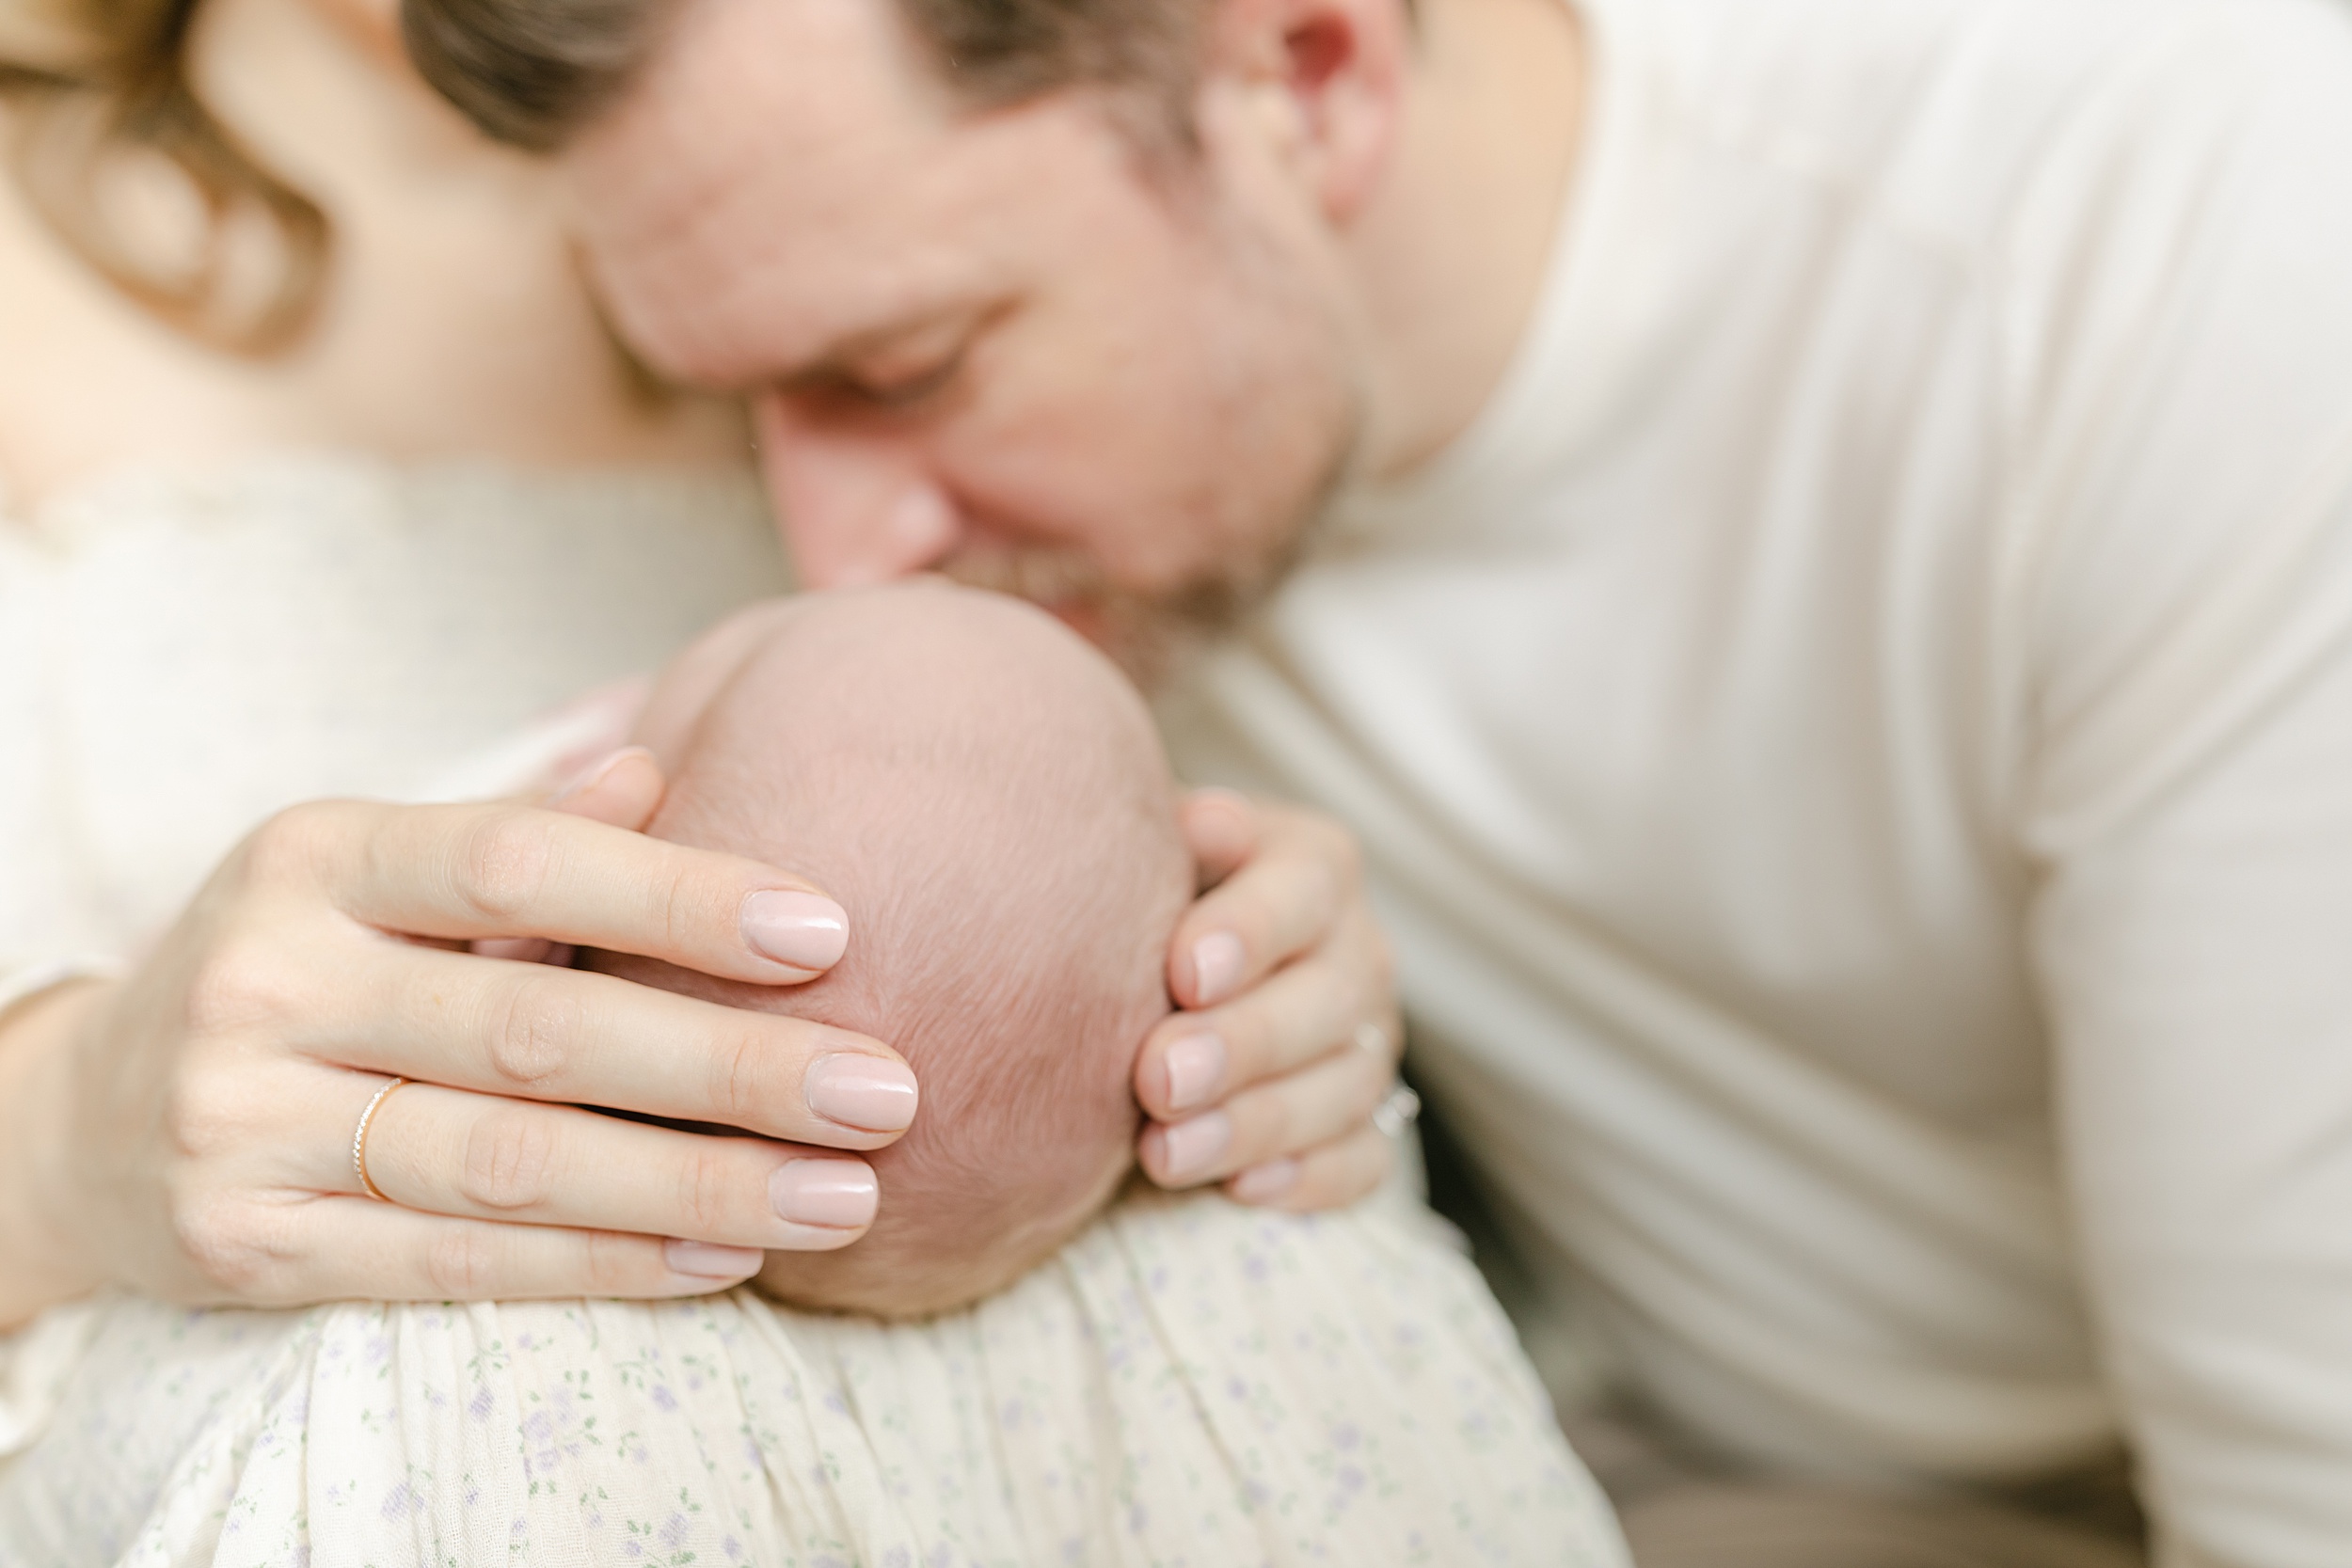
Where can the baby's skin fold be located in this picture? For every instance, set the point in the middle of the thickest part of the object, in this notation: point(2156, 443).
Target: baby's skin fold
point(986, 795)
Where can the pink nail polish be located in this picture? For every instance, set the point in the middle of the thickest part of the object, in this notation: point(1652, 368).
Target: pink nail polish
point(1216, 964)
point(842, 1194)
point(1193, 1147)
point(702, 1261)
point(802, 930)
point(1266, 1182)
point(1196, 1070)
point(863, 1092)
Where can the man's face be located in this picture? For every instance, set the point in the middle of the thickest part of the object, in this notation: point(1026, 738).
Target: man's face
point(1012, 345)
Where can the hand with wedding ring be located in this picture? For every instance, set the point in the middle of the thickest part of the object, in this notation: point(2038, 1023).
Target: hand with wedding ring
point(195, 1131)
point(1279, 1078)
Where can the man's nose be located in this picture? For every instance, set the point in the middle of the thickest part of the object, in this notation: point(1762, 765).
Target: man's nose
point(855, 508)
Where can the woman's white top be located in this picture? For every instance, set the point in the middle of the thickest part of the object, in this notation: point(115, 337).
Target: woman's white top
point(1855, 745)
point(1189, 1381)
point(182, 657)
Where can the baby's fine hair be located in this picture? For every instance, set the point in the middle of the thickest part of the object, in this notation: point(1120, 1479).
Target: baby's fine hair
point(986, 795)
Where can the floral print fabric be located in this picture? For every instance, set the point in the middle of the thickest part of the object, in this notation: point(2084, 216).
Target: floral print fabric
point(1189, 1385)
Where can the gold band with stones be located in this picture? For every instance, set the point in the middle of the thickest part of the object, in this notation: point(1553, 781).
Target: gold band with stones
point(359, 1140)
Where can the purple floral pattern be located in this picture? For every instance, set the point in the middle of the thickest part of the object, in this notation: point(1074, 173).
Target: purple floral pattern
point(1189, 1385)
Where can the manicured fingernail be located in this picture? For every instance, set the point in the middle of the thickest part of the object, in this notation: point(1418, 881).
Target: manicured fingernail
point(1192, 1146)
point(1266, 1182)
point(702, 1261)
point(839, 1192)
point(593, 774)
point(1217, 960)
point(863, 1092)
point(804, 929)
point(1196, 1070)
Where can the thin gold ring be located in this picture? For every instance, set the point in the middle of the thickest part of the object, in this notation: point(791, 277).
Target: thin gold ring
point(359, 1140)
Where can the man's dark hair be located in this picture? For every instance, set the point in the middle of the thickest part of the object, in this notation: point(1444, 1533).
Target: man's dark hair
point(533, 72)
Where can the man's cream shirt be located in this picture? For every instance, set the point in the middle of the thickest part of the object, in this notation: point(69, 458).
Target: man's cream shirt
point(1856, 743)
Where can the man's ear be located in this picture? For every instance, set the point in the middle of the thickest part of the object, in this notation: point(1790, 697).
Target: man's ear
point(1333, 73)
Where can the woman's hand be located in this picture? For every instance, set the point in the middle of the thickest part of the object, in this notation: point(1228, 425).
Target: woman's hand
point(190, 1131)
point(1290, 1035)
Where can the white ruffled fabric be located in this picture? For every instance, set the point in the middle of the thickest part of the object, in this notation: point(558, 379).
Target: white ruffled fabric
point(1189, 1383)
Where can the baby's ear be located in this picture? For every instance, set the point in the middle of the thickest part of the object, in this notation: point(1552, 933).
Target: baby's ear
point(687, 685)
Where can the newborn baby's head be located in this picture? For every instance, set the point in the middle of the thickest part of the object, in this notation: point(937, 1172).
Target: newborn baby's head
point(986, 795)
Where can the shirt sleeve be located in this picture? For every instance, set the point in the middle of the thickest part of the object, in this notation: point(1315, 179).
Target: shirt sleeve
point(2189, 798)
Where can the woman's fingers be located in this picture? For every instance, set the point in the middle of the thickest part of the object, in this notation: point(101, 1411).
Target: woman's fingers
point(576, 1036)
point(1331, 1177)
point(498, 870)
point(1283, 899)
point(1290, 1039)
point(356, 1249)
point(1220, 828)
point(480, 1157)
point(1287, 1116)
point(1338, 994)
point(331, 940)
point(1193, 1060)
point(621, 790)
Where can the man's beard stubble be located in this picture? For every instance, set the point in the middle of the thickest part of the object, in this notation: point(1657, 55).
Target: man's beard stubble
point(1153, 636)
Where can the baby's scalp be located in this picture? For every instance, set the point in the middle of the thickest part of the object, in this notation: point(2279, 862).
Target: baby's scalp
point(985, 794)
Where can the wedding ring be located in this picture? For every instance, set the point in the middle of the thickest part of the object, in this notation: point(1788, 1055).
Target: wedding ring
point(359, 1140)
point(1396, 1113)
